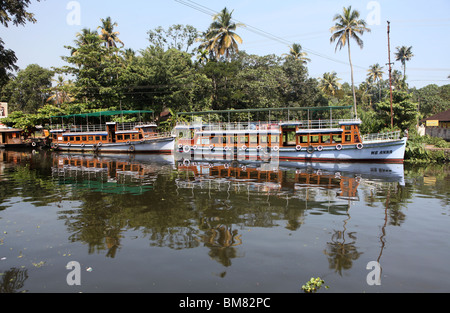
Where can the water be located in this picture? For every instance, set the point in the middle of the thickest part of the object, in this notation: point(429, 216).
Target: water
point(149, 223)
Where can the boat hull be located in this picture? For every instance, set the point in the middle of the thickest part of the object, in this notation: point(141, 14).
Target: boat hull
point(156, 145)
point(389, 151)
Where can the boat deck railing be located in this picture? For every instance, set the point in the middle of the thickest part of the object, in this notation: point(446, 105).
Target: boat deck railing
point(382, 136)
point(266, 125)
point(96, 127)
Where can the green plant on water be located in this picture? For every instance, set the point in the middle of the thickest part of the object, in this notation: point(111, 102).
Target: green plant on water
point(313, 285)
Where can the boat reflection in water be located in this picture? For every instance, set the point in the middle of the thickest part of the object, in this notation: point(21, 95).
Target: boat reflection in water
point(132, 174)
point(287, 177)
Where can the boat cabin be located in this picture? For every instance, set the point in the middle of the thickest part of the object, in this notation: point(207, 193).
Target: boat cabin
point(271, 135)
point(112, 134)
point(11, 137)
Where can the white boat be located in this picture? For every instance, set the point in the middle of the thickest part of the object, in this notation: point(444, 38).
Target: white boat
point(307, 140)
point(111, 137)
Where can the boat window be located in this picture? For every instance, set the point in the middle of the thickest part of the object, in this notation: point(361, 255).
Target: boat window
point(90, 138)
point(348, 127)
point(224, 139)
point(127, 137)
point(243, 139)
point(264, 139)
point(214, 139)
point(119, 137)
point(103, 137)
point(274, 138)
point(289, 137)
point(254, 139)
point(97, 138)
point(72, 139)
point(337, 138)
point(303, 139)
point(77, 138)
point(66, 138)
point(83, 138)
point(356, 138)
point(348, 138)
point(314, 139)
point(326, 139)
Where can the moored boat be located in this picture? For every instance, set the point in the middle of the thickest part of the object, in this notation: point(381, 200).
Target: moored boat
point(297, 140)
point(111, 137)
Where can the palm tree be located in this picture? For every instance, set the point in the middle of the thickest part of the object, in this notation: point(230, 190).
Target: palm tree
point(348, 25)
point(403, 54)
point(375, 73)
point(60, 92)
point(329, 83)
point(107, 33)
point(297, 54)
point(85, 37)
point(221, 38)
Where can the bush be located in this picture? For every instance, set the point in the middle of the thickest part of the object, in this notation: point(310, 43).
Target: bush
point(416, 152)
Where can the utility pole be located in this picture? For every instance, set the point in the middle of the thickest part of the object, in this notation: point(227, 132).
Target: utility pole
point(390, 72)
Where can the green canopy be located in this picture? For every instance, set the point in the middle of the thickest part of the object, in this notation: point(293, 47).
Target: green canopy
point(104, 113)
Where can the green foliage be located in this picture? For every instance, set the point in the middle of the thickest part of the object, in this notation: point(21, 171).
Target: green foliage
point(432, 99)
point(29, 90)
point(416, 151)
point(404, 109)
point(14, 12)
point(313, 285)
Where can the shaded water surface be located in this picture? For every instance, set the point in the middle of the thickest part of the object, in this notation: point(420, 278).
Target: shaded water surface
point(150, 223)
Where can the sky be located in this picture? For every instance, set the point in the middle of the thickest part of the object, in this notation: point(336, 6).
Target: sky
point(270, 28)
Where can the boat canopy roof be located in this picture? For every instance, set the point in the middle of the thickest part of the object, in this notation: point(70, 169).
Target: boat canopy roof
point(323, 108)
point(105, 113)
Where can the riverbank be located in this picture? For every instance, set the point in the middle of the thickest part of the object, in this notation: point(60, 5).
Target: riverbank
point(427, 149)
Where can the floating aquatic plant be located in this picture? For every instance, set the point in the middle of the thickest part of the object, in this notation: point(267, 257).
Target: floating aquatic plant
point(313, 285)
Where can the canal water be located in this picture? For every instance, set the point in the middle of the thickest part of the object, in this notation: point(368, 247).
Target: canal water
point(152, 223)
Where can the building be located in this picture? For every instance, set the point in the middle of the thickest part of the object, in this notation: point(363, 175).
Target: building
point(3, 110)
point(438, 125)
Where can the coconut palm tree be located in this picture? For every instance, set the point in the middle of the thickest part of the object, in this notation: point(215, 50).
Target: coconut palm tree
point(347, 26)
point(403, 54)
point(329, 83)
point(221, 38)
point(297, 54)
point(107, 33)
point(375, 74)
point(60, 94)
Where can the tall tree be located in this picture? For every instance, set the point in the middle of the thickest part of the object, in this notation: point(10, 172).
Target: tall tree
point(180, 37)
point(375, 74)
point(107, 33)
point(221, 39)
point(348, 26)
point(29, 90)
point(404, 54)
point(295, 52)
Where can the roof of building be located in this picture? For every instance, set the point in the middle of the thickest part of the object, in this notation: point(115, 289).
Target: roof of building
point(442, 116)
